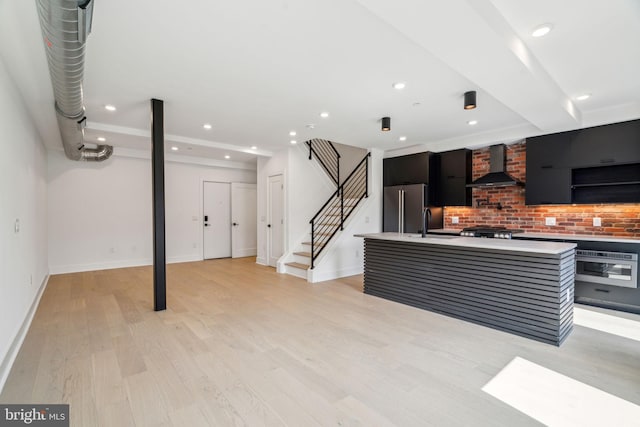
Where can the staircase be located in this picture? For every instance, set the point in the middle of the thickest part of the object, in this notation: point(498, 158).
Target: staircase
point(331, 217)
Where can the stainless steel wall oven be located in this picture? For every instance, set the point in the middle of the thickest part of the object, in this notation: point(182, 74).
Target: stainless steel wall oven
point(607, 268)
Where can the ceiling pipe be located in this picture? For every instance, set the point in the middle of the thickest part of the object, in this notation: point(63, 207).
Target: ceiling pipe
point(65, 26)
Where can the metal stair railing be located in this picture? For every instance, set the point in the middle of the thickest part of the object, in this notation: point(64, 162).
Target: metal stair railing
point(333, 214)
point(328, 157)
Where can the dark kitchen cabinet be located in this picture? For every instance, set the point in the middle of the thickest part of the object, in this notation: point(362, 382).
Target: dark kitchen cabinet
point(548, 174)
point(454, 175)
point(548, 186)
point(410, 169)
point(617, 143)
point(590, 165)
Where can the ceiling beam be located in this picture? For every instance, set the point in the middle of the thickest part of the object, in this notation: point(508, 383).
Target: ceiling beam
point(486, 50)
point(176, 138)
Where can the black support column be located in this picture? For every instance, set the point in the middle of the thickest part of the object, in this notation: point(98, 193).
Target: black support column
point(157, 166)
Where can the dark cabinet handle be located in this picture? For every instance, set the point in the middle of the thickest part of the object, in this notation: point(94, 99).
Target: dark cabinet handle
point(451, 176)
point(607, 160)
point(547, 167)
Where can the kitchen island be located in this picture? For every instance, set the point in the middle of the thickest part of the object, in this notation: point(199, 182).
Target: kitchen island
point(518, 286)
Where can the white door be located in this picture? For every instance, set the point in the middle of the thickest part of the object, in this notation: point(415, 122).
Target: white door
point(275, 224)
point(244, 232)
point(216, 213)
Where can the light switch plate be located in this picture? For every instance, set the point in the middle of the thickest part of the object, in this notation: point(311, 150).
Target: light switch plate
point(551, 220)
point(597, 222)
point(455, 220)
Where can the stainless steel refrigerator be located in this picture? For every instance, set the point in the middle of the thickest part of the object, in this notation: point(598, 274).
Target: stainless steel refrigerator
point(408, 199)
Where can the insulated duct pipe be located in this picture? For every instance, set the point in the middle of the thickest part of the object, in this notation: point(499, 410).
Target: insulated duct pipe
point(65, 26)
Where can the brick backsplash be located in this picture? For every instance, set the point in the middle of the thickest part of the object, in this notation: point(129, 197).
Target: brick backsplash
point(617, 220)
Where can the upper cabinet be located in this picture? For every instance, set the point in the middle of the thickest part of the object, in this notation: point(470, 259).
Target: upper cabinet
point(548, 172)
point(454, 175)
point(410, 169)
point(591, 165)
point(617, 143)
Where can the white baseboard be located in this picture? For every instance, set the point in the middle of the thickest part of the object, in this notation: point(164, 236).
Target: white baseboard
point(246, 252)
point(14, 348)
point(261, 261)
point(316, 276)
point(183, 258)
point(77, 268)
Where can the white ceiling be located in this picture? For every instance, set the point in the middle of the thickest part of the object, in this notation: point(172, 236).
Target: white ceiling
point(257, 69)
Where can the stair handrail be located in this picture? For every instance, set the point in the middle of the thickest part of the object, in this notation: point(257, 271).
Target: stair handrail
point(339, 193)
point(319, 156)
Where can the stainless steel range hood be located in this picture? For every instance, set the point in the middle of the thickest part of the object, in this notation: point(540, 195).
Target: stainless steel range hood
point(497, 177)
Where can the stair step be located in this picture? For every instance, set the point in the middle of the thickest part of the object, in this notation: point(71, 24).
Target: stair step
point(298, 265)
point(307, 254)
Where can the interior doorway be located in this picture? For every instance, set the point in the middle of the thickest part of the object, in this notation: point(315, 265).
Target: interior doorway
point(244, 230)
point(275, 220)
point(216, 215)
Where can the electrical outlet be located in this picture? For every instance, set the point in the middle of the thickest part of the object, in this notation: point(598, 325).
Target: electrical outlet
point(357, 253)
point(194, 218)
point(195, 246)
point(112, 250)
point(455, 220)
point(366, 220)
point(16, 226)
point(597, 222)
point(551, 220)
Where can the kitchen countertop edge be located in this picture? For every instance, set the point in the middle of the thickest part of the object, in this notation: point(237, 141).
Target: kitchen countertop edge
point(551, 248)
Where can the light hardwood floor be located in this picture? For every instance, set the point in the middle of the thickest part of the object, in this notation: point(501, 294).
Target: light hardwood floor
point(242, 345)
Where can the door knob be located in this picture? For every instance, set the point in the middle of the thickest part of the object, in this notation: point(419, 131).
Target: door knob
point(206, 225)
point(269, 225)
point(235, 224)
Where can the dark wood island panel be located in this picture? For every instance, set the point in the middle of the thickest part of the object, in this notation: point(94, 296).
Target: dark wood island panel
point(524, 293)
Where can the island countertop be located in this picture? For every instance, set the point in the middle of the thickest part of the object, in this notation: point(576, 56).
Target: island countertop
point(533, 246)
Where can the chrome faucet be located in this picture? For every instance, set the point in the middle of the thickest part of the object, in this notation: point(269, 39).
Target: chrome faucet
point(426, 212)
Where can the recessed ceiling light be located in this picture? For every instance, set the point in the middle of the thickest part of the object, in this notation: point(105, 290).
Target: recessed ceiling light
point(292, 133)
point(207, 126)
point(416, 104)
point(293, 141)
point(110, 107)
point(227, 156)
point(541, 30)
point(472, 122)
point(253, 147)
point(402, 138)
point(399, 85)
point(101, 138)
point(324, 114)
point(583, 97)
point(174, 148)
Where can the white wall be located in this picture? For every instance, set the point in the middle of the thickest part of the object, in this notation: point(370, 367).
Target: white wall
point(344, 254)
point(100, 213)
point(23, 197)
point(306, 188)
point(309, 188)
point(275, 165)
